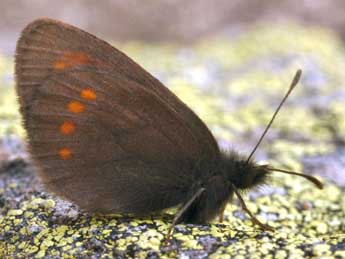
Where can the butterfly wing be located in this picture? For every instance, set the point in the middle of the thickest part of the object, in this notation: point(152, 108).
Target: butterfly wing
point(48, 46)
point(104, 138)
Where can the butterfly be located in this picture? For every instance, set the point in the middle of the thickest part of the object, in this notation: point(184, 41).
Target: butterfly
point(109, 137)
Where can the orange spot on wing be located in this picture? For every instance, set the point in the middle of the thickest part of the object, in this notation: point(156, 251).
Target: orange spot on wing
point(88, 94)
point(65, 153)
point(67, 128)
point(77, 57)
point(76, 107)
point(60, 65)
point(71, 59)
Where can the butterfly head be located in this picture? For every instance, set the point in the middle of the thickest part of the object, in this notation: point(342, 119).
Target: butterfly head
point(251, 175)
point(243, 174)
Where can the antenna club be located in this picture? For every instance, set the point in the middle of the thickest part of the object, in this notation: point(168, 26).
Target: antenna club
point(296, 78)
point(292, 85)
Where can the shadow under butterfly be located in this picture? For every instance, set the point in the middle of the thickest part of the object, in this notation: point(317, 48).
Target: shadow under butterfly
point(106, 135)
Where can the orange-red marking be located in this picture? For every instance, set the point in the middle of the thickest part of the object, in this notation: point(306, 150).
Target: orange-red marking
point(76, 107)
point(88, 94)
point(65, 153)
point(67, 128)
point(60, 65)
point(77, 57)
point(71, 59)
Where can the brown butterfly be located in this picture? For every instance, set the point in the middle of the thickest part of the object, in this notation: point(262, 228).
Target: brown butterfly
point(111, 138)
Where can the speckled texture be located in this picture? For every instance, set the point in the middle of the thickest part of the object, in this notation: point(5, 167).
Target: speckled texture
point(234, 85)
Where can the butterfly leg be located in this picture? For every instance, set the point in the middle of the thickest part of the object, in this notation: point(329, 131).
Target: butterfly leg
point(221, 214)
point(252, 217)
point(182, 210)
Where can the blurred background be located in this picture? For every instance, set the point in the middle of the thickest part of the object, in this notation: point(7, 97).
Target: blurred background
point(172, 20)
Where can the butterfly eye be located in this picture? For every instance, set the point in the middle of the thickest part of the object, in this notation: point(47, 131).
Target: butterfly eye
point(257, 177)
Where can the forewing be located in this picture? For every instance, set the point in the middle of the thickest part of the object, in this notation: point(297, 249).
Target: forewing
point(48, 46)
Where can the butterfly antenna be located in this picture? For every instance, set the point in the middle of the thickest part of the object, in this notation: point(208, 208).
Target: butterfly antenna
point(308, 177)
point(294, 82)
